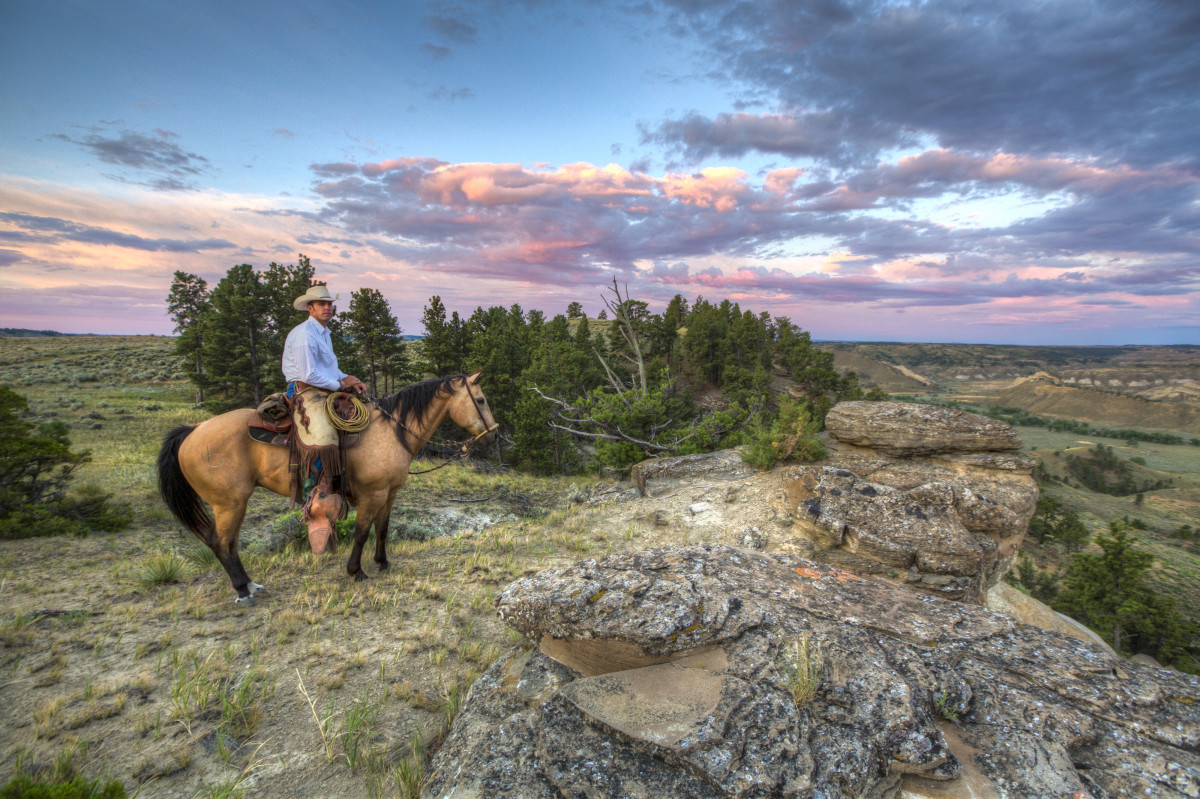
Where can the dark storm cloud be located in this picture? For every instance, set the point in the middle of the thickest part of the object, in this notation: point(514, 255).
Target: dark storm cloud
point(823, 136)
point(1074, 119)
point(49, 230)
point(452, 23)
point(170, 167)
point(1103, 79)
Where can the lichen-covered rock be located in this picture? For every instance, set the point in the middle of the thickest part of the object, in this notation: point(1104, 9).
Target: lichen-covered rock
point(904, 429)
point(672, 672)
point(945, 539)
point(657, 476)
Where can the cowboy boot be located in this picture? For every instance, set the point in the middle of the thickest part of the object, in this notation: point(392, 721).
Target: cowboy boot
point(320, 514)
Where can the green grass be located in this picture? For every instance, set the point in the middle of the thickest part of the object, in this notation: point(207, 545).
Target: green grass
point(1175, 458)
point(160, 568)
point(802, 670)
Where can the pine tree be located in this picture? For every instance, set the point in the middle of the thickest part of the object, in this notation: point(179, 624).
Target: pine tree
point(438, 341)
point(707, 345)
point(500, 346)
point(813, 369)
point(1106, 592)
point(236, 339)
point(188, 303)
point(375, 336)
point(282, 284)
point(559, 367)
point(1071, 532)
point(36, 468)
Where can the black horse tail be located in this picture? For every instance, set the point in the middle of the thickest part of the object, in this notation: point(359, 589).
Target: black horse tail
point(179, 495)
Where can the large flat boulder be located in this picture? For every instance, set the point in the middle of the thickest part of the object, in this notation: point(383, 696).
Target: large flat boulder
point(657, 476)
point(681, 672)
point(904, 429)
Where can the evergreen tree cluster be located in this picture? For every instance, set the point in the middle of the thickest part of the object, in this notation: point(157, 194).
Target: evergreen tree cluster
point(1052, 521)
point(694, 378)
point(1109, 593)
point(1104, 472)
point(570, 393)
point(231, 336)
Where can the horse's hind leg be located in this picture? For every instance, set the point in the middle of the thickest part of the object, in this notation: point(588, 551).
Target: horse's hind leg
point(381, 533)
point(224, 543)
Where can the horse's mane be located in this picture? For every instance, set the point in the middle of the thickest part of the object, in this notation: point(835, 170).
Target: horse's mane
point(409, 405)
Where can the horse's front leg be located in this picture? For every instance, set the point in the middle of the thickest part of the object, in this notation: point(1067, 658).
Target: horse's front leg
point(381, 532)
point(367, 511)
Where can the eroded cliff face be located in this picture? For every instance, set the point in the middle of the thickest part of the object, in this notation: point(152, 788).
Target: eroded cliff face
point(671, 672)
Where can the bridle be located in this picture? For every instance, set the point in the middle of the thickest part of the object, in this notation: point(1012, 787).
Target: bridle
point(479, 413)
point(466, 447)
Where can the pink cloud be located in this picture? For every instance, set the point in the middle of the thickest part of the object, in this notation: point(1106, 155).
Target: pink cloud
point(719, 188)
point(789, 242)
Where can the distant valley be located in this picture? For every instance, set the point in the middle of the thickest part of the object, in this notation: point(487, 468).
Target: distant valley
point(1146, 387)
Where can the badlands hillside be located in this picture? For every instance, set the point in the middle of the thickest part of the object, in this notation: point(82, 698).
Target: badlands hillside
point(1136, 386)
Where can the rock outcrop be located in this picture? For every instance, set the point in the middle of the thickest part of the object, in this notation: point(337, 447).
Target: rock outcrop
point(933, 495)
point(656, 476)
point(676, 671)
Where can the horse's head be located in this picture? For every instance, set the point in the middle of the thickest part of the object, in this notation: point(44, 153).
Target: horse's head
point(469, 410)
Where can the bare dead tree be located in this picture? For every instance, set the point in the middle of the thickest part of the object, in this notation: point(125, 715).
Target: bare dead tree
point(574, 419)
point(619, 306)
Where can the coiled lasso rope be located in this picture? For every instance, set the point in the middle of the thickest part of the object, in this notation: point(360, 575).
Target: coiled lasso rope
point(356, 423)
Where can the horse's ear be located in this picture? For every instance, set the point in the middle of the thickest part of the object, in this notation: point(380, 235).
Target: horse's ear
point(473, 379)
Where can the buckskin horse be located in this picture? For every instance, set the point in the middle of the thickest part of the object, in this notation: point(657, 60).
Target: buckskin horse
point(217, 462)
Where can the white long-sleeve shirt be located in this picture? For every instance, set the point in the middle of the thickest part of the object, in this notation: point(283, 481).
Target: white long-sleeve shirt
point(308, 356)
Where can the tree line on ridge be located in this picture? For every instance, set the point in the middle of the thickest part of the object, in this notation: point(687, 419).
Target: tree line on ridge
point(571, 394)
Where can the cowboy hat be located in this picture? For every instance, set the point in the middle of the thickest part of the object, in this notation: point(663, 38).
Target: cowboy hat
point(317, 293)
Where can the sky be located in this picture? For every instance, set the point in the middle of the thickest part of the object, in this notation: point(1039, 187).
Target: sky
point(1017, 172)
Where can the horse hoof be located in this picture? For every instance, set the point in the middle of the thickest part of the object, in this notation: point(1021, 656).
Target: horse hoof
point(255, 588)
point(360, 575)
point(384, 566)
point(244, 600)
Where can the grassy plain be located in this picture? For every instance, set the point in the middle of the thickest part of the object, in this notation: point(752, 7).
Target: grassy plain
point(124, 655)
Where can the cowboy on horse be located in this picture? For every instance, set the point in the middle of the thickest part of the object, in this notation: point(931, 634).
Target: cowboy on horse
point(311, 370)
point(208, 471)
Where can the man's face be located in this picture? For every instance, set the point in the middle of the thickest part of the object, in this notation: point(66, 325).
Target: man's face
point(321, 310)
